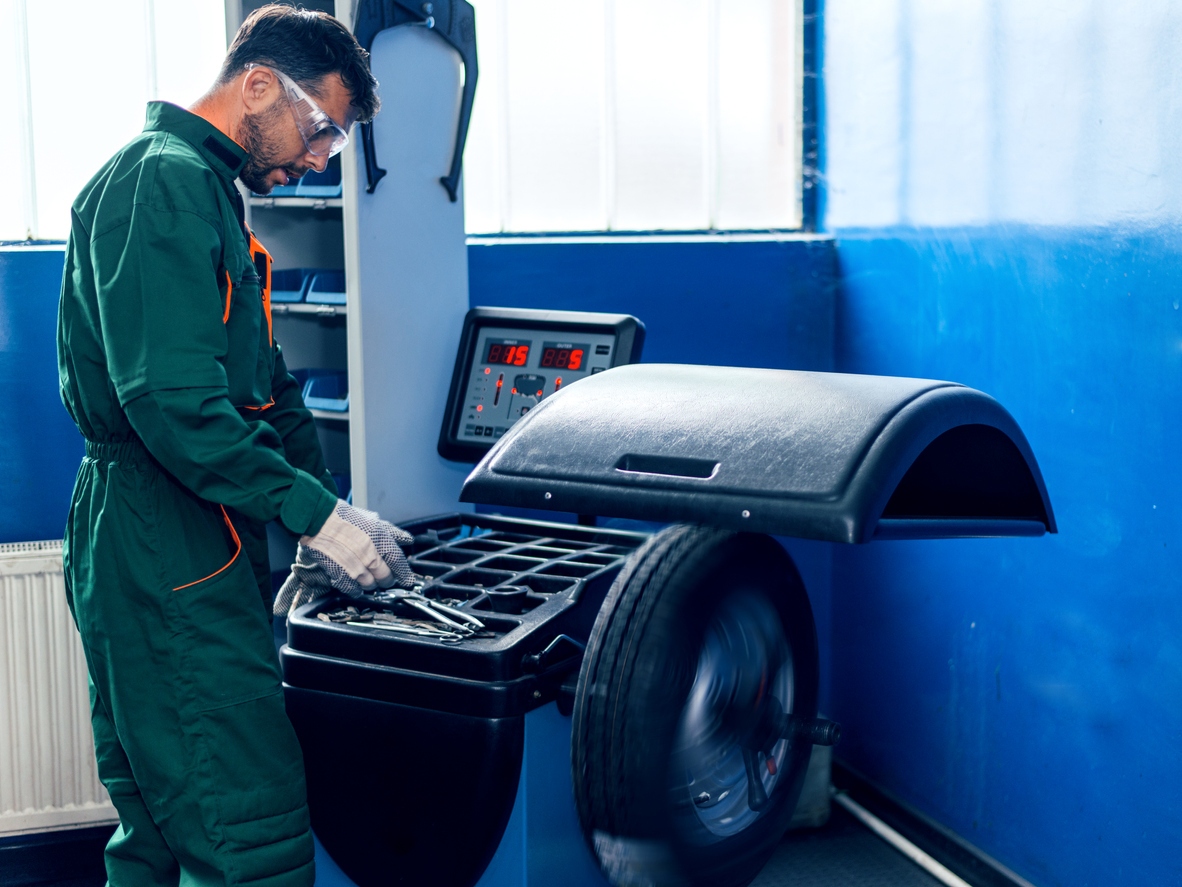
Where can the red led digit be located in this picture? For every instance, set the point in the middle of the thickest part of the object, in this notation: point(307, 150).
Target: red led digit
point(548, 357)
point(576, 359)
point(563, 357)
point(494, 353)
point(522, 355)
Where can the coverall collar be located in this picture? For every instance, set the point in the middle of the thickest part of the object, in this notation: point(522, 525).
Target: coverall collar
point(223, 154)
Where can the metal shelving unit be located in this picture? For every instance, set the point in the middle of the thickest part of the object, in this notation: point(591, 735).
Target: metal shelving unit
point(297, 202)
point(305, 308)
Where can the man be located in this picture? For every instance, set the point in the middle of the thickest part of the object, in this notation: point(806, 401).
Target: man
point(196, 436)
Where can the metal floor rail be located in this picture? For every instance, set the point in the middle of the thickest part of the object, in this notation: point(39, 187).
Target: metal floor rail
point(843, 853)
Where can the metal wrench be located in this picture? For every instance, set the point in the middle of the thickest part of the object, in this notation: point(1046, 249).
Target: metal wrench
point(435, 609)
point(406, 629)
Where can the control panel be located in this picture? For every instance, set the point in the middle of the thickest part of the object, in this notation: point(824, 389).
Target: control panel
point(511, 359)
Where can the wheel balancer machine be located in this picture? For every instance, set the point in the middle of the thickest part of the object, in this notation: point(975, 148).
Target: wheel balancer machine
point(686, 658)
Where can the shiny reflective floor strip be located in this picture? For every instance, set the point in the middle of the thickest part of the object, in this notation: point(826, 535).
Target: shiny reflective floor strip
point(896, 840)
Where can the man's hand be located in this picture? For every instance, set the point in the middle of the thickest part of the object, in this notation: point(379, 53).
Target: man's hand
point(307, 582)
point(354, 552)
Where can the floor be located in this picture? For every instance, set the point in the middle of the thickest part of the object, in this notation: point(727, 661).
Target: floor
point(844, 852)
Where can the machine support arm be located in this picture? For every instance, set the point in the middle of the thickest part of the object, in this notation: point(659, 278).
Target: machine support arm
point(452, 20)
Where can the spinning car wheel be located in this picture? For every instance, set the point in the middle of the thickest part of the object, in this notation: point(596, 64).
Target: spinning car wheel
point(695, 710)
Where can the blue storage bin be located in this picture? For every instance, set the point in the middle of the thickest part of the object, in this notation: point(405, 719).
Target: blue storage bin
point(326, 288)
point(291, 190)
point(327, 390)
point(290, 284)
point(321, 184)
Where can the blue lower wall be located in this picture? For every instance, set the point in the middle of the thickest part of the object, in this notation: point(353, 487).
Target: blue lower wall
point(1028, 693)
point(755, 303)
point(39, 446)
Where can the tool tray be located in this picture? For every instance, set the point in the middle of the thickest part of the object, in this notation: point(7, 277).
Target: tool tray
point(469, 560)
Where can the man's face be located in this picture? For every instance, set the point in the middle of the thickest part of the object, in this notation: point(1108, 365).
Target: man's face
point(272, 139)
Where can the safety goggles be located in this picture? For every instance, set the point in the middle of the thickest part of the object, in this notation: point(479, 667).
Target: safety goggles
point(320, 133)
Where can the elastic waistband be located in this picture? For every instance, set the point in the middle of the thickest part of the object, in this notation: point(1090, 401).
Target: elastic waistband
point(127, 452)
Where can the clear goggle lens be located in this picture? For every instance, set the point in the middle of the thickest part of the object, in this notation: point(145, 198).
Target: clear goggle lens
point(322, 136)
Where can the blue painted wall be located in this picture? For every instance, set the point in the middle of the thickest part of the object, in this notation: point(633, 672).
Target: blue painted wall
point(40, 448)
point(1003, 184)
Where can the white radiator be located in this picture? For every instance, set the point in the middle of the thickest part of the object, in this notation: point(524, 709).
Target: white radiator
point(48, 776)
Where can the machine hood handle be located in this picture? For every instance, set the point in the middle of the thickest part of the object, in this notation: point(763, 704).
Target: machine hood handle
point(373, 172)
point(455, 22)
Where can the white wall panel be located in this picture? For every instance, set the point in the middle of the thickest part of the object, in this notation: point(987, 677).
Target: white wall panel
point(598, 115)
point(981, 112)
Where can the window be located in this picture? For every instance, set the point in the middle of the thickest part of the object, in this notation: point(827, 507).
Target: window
point(601, 115)
point(77, 75)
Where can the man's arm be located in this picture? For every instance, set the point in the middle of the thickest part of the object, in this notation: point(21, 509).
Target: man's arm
point(290, 417)
point(199, 437)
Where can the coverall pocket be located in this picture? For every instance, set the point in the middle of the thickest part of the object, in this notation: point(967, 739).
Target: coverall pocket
point(250, 360)
point(197, 542)
point(255, 773)
point(225, 639)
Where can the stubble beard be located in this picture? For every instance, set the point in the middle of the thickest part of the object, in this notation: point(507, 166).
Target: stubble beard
point(254, 132)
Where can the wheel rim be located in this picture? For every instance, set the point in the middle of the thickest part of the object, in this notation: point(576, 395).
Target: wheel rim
point(743, 682)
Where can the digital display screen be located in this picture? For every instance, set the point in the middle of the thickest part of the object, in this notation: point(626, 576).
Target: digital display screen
point(512, 360)
point(506, 352)
point(564, 356)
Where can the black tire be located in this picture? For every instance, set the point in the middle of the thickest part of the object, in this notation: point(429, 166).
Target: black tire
point(693, 603)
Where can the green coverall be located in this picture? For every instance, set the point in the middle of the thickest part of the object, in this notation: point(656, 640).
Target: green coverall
point(196, 435)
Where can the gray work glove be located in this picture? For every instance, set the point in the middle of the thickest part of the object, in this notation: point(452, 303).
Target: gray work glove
point(307, 582)
point(355, 552)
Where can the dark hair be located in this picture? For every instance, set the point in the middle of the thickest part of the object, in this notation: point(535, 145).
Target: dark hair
point(306, 45)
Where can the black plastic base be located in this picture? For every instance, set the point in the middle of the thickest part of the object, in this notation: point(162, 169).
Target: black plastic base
point(403, 795)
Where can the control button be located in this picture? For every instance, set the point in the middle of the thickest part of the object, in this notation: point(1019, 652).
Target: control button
point(603, 349)
point(595, 370)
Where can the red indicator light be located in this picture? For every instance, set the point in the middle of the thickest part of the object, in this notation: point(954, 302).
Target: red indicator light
point(480, 408)
point(539, 392)
point(487, 370)
point(558, 383)
point(500, 382)
point(513, 390)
